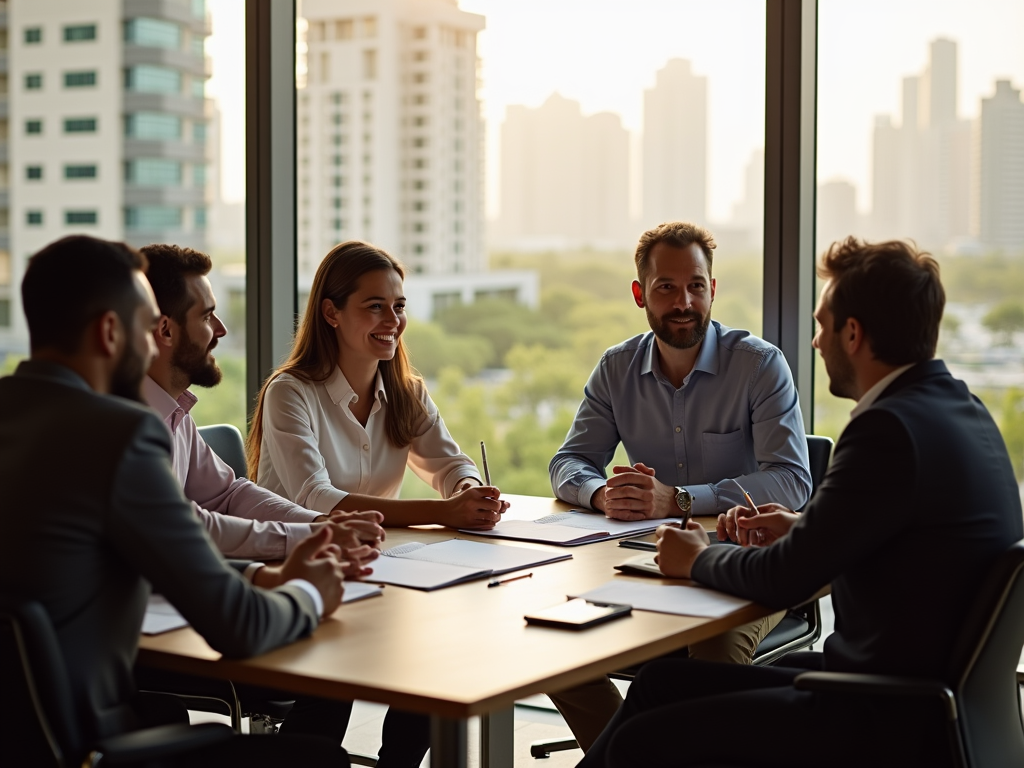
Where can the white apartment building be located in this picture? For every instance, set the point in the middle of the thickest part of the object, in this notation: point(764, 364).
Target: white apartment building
point(390, 133)
point(1001, 169)
point(106, 125)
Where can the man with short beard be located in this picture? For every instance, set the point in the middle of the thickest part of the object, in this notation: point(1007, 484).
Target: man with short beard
point(703, 411)
point(243, 519)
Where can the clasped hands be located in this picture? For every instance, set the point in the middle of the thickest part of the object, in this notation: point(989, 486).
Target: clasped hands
point(678, 548)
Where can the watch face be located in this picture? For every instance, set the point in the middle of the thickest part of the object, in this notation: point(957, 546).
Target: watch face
point(683, 499)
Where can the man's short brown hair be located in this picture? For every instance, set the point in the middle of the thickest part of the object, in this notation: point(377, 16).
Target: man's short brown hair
point(893, 290)
point(679, 234)
point(169, 266)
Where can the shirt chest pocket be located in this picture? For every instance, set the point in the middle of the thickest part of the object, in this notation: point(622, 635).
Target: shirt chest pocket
point(725, 455)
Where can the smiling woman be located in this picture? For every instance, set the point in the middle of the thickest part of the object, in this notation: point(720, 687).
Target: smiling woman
point(335, 426)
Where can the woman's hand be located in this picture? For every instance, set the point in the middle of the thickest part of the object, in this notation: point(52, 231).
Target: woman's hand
point(478, 507)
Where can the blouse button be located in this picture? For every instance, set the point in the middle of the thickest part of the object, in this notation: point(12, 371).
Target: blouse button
point(366, 447)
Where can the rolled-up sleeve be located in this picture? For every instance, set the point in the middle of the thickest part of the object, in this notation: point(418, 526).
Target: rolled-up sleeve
point(435, 456)
point(292, 446)
point(577, 468)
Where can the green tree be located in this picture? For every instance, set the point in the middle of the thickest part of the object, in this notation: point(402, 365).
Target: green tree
point(431, 349)
point(1004, 320)
point(503, 323)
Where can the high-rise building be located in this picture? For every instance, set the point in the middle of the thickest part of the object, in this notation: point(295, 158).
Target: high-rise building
point(106, 125)
point(390, 133)
point(1000, 202)
point(921, 170)
point(748, 214)
point(837, 213)
point(675, 146)
point(564, 177)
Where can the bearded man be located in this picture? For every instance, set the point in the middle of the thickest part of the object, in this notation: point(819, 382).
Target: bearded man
point(703, 412)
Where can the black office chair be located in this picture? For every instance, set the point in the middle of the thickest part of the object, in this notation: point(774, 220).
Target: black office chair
point(37, 720)
point(800, 628)
point(980, 694)
point(227, 442)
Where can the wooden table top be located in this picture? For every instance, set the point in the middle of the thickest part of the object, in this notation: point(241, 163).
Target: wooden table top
point(460, 651)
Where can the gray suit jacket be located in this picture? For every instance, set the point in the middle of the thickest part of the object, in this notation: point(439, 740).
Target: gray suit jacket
point(92, 517)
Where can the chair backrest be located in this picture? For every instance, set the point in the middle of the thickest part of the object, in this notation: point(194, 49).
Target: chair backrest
point(819, 453)
point(226, 441)
point(37, 719)
point(984, 667)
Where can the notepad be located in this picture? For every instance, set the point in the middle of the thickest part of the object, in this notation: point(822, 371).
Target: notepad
point(663, 598)
point(432, 566)
point(162, 617)
point(642, 564)
point(572, 528)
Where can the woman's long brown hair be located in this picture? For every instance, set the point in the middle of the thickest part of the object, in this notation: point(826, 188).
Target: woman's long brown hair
point(315, 351)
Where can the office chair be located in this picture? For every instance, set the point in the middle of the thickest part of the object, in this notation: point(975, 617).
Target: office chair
point(980, 693)
point(800, 627)
point(37, 719)
point(226, 441)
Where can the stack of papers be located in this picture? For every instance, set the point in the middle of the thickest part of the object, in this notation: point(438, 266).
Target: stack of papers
point(659, 598)
point(432, 566)
point(570, 529)
point(162, 617)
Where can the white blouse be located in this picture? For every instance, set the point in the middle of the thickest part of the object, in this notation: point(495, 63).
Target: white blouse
point(315, 452)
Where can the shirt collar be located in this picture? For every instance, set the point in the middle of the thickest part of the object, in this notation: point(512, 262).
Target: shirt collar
point(171, 411)
point(869, 397)
point(340, 391)
point(708, 358)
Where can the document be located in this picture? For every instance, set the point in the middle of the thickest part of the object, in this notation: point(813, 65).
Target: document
point(162, 617)
point(661, 598)
point(572, 528)
point(432, 566)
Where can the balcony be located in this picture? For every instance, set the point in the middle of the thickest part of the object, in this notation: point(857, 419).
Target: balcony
point(166, 57)
point(135, 194)
point(140, 237)
point(175, 104)
point(172, 150)
point(171, 10)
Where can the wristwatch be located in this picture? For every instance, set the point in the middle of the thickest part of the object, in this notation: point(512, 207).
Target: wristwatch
point(683, 499)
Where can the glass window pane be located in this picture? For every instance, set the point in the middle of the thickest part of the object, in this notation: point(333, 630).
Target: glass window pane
point(81, 217)
point(924, 139)
point(80, 172)
point(154, 33)
point(80, 125)
point(153, 125)
point(149, 78)
point(153, 217)
point(79, 79)
point(521, 185)
point(154, 172)
point(79, 33)
point(33, 35)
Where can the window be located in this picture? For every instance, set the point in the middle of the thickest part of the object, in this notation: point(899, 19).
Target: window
point(198, 46)
point(370, 26)
point(155, 33)
point(419, 33)
point(80, 125)
point(152, 217)
point(33, 35)
point(343, 29)
point(420, 77)
point(33, 172)
point(421, 56)
point(81, 217)
point(199, 217)
point(33, 218)
point(79, 171)
point(199, 175)
point(153, 172)
point(79, 79)
point(198, 87)
point(149, 78)
point(33, 126)
point(79, 33)
point(152, 125)
point(33, 82)
point(370, 64)
point(199, 133)
point(198, 8)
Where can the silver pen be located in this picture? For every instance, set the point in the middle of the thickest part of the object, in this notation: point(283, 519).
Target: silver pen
point(487, 472)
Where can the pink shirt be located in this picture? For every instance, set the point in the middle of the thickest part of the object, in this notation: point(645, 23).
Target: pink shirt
point(243, 519)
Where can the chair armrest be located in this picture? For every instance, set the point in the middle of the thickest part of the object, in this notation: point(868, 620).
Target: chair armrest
point(163, 741)
point(876, 685)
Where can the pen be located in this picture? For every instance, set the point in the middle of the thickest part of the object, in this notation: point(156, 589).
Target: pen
point(750, 501)
point(487, 472)
point(499, 582)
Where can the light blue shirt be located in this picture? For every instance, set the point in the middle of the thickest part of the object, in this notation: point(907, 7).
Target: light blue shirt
point(736, 417)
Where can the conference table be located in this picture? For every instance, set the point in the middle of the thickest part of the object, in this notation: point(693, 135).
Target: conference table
point(459, 652)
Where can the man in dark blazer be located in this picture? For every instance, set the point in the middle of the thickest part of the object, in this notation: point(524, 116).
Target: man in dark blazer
point(919, 499)
point(93, 516)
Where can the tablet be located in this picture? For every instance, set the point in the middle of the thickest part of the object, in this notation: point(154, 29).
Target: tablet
point(577, 614)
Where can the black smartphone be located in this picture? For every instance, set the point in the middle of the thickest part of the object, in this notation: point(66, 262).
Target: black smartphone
point(577, 614)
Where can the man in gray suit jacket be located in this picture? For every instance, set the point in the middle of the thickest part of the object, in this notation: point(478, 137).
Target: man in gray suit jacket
point(90, 546)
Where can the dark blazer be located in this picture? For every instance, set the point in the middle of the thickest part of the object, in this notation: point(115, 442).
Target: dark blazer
point(92, 516)
point(918, 500)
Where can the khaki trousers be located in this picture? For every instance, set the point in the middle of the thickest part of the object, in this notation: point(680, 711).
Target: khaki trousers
point(587, 708)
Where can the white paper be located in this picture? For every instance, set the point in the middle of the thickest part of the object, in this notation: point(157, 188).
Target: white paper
point(357, 590)
point(161, 617)
point(418, 574)
point(497, 558)
point(661, 598)
point(571, 528)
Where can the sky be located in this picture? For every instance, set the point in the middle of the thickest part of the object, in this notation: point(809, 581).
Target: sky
point(604, 53)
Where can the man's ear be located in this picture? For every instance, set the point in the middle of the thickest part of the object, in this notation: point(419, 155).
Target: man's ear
point(638, 293)
point(164, 332)
point(852, 336)
point(109, 334)
point(714, 289)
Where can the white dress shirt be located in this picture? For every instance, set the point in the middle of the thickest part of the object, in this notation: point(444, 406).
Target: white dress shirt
point(315, 452)
point(243, 519)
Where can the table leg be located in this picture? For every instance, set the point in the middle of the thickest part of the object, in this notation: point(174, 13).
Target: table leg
point(448, 746)
point(496, 739)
